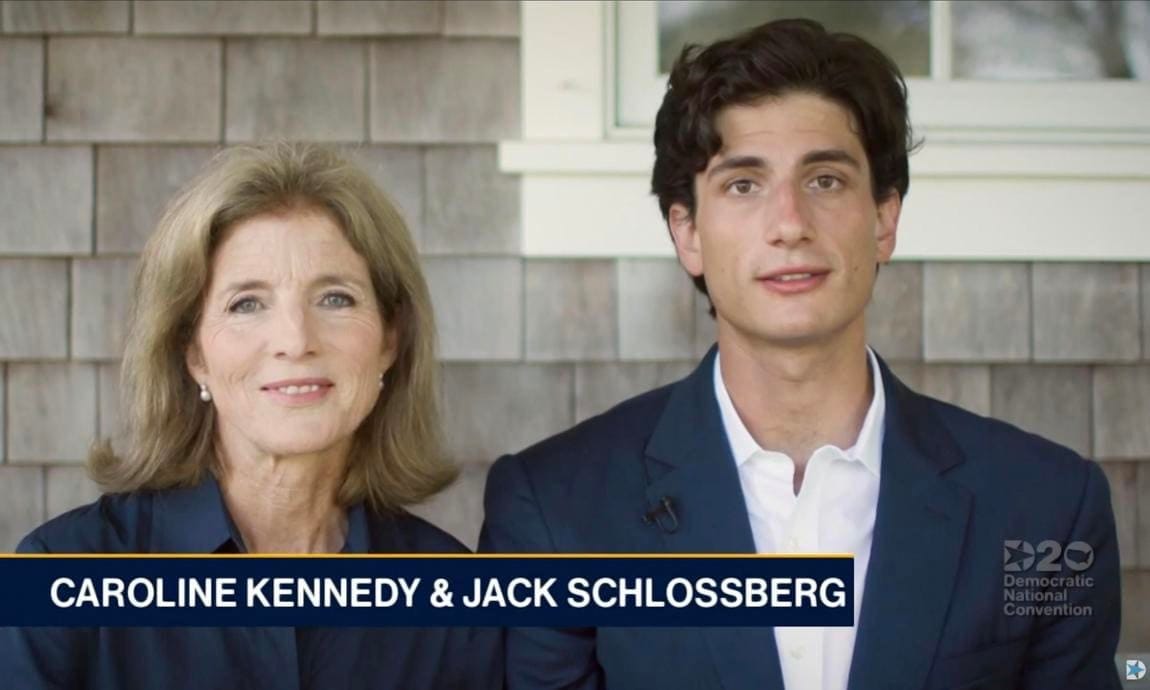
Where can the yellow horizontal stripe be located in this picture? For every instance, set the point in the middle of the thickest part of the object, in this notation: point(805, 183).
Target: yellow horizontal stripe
point(406, 556)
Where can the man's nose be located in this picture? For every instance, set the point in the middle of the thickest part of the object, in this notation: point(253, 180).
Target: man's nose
point(787, 225)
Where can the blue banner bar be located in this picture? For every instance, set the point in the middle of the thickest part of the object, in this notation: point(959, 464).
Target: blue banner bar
point(382, 591)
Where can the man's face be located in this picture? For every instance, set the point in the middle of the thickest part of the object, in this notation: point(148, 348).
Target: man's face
point(786, 228)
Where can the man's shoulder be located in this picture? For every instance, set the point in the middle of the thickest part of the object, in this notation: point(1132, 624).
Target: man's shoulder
point(568, 492)
point(1000, 457)
point(111, 524)
point(973, 430)
point(624, 429)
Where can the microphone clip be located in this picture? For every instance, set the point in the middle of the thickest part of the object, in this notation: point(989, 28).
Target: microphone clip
point(663, 515)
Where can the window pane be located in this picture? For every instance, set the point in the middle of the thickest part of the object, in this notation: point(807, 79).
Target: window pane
point(901, 28)
point(1084, 39)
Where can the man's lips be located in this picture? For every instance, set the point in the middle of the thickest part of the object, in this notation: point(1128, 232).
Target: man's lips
point(794, 279)
point(793, 273)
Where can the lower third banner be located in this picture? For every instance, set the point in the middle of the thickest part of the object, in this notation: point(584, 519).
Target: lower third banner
point(384, 590)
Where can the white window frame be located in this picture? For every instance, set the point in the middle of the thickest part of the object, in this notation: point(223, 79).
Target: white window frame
point(1027, 171)
point(1054, 111)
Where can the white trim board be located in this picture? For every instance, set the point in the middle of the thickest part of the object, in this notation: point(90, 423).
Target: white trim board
point(944, 218)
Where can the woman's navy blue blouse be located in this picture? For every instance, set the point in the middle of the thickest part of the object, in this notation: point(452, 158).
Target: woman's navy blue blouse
point(195, 520)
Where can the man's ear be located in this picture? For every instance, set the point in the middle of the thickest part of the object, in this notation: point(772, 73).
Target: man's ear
point(681, 223)
point(886, 229)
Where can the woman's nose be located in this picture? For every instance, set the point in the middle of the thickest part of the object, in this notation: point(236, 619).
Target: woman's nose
point(293, 335)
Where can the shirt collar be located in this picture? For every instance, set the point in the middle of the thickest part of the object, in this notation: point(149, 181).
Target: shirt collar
point(867, 448)
point(195, 520)
point(192, 520)
point(357, 532)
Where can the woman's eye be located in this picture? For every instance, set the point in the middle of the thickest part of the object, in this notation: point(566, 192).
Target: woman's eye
point(337, 299)
point(245, 305)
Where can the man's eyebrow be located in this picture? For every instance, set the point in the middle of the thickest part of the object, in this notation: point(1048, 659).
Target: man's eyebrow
point(831, 156)
point(735, 163)
point(810, 158)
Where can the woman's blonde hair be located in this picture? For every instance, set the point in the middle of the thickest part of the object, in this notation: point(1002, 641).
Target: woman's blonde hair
point(395, 458)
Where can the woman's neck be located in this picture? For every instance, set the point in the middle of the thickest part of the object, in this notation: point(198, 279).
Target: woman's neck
point(285, 504)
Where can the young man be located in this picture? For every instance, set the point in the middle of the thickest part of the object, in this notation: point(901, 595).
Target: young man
point(781, 165)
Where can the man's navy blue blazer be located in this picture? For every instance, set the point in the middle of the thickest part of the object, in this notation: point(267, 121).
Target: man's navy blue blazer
point(954, 487)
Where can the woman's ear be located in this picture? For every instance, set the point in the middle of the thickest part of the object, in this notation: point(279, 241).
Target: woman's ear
point(194, 360)
point(390, 347)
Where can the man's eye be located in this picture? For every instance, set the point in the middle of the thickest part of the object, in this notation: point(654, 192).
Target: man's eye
point(827, 182)
point(742, 186)
point(337, 299)
point(245, 305)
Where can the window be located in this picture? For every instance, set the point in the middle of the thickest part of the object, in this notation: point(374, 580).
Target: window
point(901, 28)
point(985, 69)
point(989, 40)
point(1036, 118)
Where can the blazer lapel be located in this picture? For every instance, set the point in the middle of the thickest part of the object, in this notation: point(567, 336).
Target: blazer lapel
point(689, 464)
point(918, 538)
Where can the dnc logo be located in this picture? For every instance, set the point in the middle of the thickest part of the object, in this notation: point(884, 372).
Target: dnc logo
point(1135, 669)
point(1019, 556)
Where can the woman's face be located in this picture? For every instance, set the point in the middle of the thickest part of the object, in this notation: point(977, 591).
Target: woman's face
point(290, 342)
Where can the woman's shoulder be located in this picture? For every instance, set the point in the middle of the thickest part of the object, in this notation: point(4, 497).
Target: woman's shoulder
point(111, 524)
point(407, 533)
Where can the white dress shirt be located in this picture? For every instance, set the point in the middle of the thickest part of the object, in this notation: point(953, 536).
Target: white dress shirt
point(834, 512)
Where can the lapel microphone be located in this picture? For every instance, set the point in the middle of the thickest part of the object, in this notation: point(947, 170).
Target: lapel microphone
point(663, 515)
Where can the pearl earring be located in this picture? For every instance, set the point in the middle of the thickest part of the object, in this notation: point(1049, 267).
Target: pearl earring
point(205, 394)
point(381, 381)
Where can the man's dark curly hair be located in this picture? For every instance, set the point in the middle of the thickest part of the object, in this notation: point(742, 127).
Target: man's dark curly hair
point(774, 59)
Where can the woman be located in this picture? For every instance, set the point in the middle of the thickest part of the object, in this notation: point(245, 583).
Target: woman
point(279, 393)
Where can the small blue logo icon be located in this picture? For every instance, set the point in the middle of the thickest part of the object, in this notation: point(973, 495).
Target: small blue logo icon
point(1135, 669)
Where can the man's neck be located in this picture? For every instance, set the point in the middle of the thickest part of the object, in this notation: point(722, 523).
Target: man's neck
point(794, 400)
